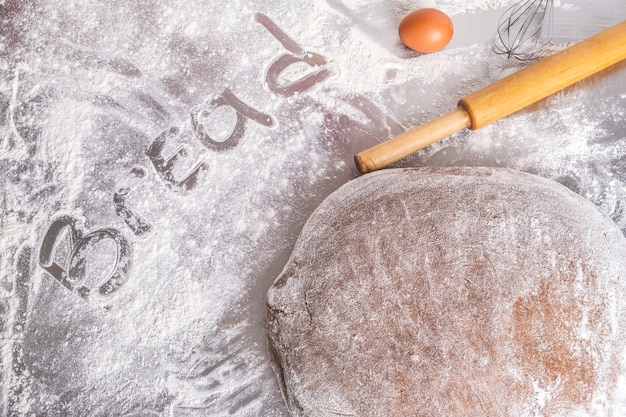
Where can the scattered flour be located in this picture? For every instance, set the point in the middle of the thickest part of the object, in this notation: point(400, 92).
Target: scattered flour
point(117, 122)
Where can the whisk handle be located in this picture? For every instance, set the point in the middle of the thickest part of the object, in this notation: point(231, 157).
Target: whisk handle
point(505, 96)
point(546, 77)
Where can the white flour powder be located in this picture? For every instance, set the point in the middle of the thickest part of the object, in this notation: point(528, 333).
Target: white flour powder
point(170, 153)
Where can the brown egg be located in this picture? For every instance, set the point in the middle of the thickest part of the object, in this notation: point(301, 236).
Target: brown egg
point(426, 30)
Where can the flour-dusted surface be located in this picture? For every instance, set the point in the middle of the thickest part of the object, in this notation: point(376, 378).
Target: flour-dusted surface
point(456, 292)
point(159, 159)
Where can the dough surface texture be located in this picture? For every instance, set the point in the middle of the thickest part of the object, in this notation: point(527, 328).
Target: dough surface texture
point(452, 292)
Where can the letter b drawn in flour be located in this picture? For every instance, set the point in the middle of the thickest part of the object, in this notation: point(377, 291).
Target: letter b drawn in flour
point(93, 265)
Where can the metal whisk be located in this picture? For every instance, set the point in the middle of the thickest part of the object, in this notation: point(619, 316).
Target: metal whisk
point(520, 27)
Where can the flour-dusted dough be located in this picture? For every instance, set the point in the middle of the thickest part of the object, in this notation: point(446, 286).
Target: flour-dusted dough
point(452, 292)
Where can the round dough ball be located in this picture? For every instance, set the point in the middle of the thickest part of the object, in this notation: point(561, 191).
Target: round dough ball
point(452, 292)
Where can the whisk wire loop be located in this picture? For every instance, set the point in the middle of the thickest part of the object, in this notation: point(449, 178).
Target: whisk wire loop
point(520, 29)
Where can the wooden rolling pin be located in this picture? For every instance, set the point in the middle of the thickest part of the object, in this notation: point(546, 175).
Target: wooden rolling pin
point(505, 96)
